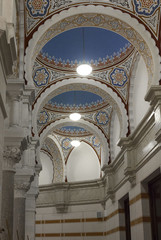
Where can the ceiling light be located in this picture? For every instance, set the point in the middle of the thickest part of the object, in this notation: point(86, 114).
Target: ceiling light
point(75, 116)
point(75, 143)
point(84, 69)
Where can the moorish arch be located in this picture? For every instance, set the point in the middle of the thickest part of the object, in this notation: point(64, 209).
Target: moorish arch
point(85, 124)
point(111, 96)
point(96, 16)
point(50, 146)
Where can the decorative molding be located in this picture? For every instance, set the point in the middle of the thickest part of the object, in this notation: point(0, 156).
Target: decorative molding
point(154, 96)
point(57, 159)
point(137, 150)
point(109, 173)
point(131, 91)
point(147, 44)
point(89, 126)
point(115, 101)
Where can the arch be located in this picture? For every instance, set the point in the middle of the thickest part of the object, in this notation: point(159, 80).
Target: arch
point(131, 92)
point(83, 164)
point(85, 124)
point(57, 158)
point(115, 101)
point(133, 31)
point(46, 175)
point(114, 136)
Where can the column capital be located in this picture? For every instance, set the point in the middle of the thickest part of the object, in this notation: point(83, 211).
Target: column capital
point(11, 156)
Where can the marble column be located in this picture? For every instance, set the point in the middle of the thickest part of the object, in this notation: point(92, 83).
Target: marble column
point(22, 184)
point(11, 156)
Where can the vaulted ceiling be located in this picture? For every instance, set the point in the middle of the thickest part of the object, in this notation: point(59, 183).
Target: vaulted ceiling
point(112, 48)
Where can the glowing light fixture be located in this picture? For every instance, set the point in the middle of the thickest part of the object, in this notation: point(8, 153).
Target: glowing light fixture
point(75, 116)
point(84, 69)
point(75, 143)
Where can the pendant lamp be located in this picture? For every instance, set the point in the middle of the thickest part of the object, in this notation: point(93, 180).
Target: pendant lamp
point(84, 69)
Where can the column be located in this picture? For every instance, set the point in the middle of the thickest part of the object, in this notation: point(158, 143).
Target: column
point(22, 184)
point(10, 158)
point(32, 194)
point(15, 111)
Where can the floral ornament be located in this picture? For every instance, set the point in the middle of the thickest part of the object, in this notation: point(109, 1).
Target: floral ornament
point(38, 8)
point(95, 142)
point(118, 77)
point(59, 3)
point(146, 7)
point(43, 117)
point(66, 143)
point(102, 118)
point(41, 77)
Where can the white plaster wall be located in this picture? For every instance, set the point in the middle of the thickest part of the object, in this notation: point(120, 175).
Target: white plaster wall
point(83, 164)
point(46, 175)
point(140, 88)
point(116, 135)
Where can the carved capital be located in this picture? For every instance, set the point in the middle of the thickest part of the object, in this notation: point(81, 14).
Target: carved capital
point(11, 156)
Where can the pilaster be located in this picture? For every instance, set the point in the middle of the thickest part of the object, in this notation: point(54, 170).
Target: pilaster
point(11, 156)
point(30, 213)
point(154, 97)
point(109, 173)
point(22, 185)
point(128, 145)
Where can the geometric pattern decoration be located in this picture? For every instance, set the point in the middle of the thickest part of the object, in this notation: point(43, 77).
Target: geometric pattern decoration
point(52, 148)
point(43, 117)
point(38, 8)
point(95, 141)
point(97, 64)
point(71, 131)
point(41, 77)
point(103, 21)
point(66, 143)
point(118, 77)
point(146, 7)
point(102, 118)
